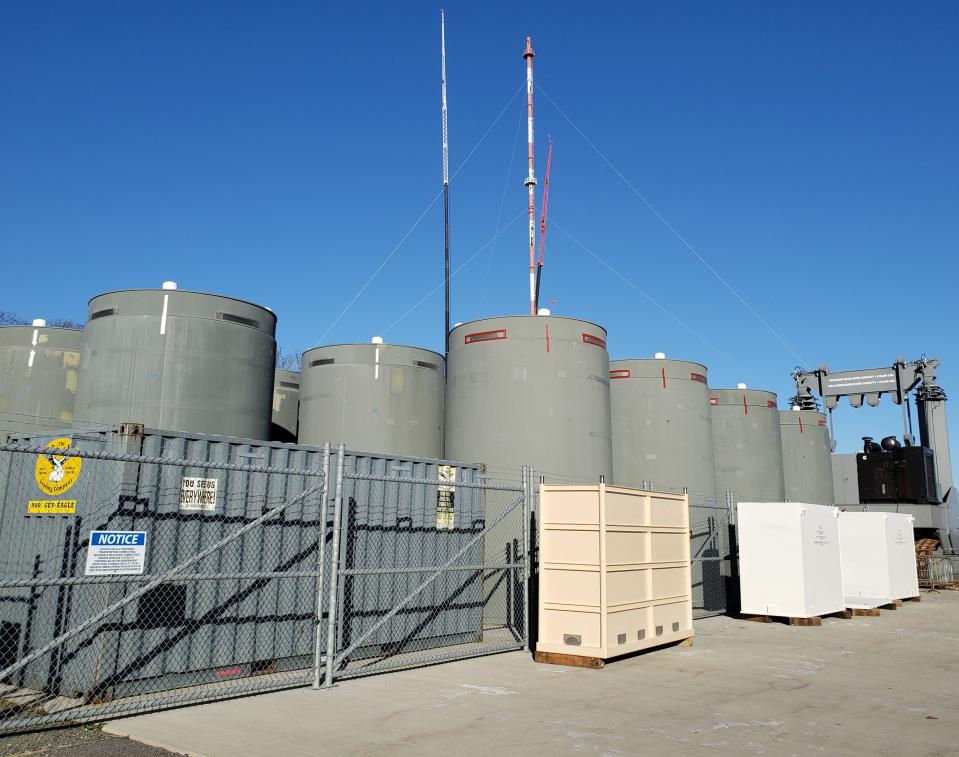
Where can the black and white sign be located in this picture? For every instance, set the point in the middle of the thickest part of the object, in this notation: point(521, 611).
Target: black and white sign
point(198, 494)
point(869, 381)
point(446, 498)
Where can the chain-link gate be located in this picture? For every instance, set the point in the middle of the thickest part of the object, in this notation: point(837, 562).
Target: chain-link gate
point(132, 582)
point(459, 591)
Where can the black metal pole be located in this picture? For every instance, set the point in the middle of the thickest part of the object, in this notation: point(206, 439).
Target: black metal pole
point(539, 275)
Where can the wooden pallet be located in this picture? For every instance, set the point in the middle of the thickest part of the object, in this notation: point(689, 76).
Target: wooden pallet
point(815, 620)
point(865, 612)
point(570, 660)
point(911, 599)
point(596, 663)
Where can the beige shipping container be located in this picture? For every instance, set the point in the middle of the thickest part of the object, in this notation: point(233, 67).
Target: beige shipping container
point(614, 572)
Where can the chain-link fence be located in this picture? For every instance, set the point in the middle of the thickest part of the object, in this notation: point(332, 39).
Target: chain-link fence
point(938, 571)
point(711, 563)
point(135, 581)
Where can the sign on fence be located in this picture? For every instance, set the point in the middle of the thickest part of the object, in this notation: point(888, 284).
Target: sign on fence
point(198, 494)
point(55, 475)
point(116, 553)
point(445, 498)
point(51, 506)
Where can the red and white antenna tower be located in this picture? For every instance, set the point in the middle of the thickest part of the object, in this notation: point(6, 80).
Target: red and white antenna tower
point(531, 178)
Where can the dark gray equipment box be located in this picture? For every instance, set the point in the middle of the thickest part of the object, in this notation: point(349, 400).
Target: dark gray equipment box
point(907, 474)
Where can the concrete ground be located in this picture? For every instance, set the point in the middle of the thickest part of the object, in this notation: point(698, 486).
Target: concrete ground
point(865, 686)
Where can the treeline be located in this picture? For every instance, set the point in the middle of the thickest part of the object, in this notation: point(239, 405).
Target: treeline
point(9, 318)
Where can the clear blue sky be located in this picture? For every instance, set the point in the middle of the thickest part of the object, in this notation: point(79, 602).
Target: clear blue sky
point(279, 152)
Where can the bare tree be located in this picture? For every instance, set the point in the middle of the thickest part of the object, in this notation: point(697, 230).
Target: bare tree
point(288, 361)
point(8, 318)
point(64, 323)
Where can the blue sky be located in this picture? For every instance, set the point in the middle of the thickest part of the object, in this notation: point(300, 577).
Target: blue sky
point(280, 152)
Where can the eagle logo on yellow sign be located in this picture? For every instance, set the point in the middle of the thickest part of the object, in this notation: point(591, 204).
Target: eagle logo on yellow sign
point(55, 473)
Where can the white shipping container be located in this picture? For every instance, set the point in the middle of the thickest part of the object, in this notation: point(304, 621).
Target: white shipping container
point(789, 560)
point(878, 558)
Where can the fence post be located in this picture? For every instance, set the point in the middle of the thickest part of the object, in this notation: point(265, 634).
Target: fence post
point(334, 570)
point(527, 547)
point(321, 549)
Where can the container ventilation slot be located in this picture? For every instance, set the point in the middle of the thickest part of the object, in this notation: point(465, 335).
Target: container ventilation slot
point(322, 361)
point(484, 336)
point(573, 640)
point(594, 340)
point(289, 385)
point(621, 638)
point(234, 318)
point(675, 626)
point(103, 313)
point(641, 634)
point(620, 373)
point(659, 630)
point(424, 364)
point(697, 377)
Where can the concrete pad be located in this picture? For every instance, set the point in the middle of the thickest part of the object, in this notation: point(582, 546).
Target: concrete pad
point(881, 685)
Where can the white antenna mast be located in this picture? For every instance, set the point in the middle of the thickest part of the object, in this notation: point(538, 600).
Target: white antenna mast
point(446, 182)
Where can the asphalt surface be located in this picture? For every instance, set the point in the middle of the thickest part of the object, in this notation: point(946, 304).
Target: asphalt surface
point(76, 742)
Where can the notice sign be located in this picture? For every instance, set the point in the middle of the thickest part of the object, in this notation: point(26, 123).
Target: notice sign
point(446, 498)
point(198, 494)
point(116, 553)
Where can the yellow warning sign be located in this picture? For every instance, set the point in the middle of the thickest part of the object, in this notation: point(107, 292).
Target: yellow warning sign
point(52, 507)
point(55, 474)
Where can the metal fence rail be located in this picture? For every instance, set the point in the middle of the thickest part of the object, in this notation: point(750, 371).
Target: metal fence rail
point(130, 582)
